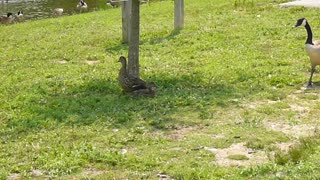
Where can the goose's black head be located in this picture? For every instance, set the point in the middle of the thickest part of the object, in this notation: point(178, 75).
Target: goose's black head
point(9, 14)
point(301, 22)
point(20, 13)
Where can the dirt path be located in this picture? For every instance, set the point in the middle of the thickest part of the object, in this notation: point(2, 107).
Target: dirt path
point(305, 3)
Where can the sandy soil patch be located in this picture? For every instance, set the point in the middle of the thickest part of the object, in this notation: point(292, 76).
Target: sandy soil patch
point(296, 131)
point(218, 136)
point(305, 3)
point(15, 176)
point(254, 105)
point(285, 146)
point(62, 61)
point(92, 62)
point(255, 157)
point(180, 134)
point(92, 172)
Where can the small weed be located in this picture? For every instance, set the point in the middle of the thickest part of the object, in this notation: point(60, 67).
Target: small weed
point(255, 143)
point(243, 3)
point(299, 152)
point(238, 157)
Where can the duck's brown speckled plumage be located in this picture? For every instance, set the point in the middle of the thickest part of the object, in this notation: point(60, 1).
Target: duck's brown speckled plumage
point(127, 82)
point(134, 86)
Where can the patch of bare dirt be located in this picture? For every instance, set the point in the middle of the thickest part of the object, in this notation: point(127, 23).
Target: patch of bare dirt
point(305, 3)
point(164, 176)
point(15, 176)
point(285, 146)
point(92, 172)
point(299, 108)
point(254, 105)
point(92, 62)
point(36, 173)
point(62, 61)
point(179, 134)
point(301, 130)
point(218, 136)
point(255, 157)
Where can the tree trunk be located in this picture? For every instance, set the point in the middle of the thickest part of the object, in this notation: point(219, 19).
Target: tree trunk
point(126, 7)
point(133, 62)
point(178, 14)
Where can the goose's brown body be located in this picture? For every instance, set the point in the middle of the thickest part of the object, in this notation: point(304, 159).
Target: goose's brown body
point(6, 19)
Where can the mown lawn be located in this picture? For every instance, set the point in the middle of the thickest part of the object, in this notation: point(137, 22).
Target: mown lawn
point(233, 77)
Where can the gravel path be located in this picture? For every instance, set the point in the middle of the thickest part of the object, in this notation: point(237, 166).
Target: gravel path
point(305, 3)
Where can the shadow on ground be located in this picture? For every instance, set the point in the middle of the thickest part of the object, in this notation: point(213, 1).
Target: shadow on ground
point(122, 47)
point(101, 101)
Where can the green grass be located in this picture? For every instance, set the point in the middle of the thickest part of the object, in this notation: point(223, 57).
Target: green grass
point(238, 157)
point(233, 69)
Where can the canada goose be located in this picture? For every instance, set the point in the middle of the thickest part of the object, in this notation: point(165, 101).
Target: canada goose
point(82, 5)
point(57, 11)
point(129, 83)
point(6, 19)
point(19, 16)
point(312, 48)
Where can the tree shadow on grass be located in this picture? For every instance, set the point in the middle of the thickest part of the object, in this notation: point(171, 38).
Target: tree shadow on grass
point(101, 101)
point(157, 40)
point(117, 48)
point(121, 47)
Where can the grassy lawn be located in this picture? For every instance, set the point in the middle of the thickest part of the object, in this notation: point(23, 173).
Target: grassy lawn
point(231, 102)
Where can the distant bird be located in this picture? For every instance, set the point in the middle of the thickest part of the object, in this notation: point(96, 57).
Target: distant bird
point(57, 11)
point(82, 5)
point(6, 19)
point(312, 48)
point(19, 16)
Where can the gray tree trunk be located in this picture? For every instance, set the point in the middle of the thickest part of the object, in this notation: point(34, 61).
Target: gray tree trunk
point(133, 62)
point(126, 15)
point(178, 14)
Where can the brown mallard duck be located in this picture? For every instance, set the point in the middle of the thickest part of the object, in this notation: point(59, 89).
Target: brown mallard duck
point(127, 82)
point(150, 91)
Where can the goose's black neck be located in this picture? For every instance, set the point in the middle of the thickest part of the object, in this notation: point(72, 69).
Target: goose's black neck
point(309, 39)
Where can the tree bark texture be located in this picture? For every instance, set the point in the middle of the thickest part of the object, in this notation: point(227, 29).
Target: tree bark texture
point(133, 62)
point(126, 7)
point(178, 14)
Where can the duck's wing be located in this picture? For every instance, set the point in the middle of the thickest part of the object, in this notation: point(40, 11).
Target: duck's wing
point(137, 83)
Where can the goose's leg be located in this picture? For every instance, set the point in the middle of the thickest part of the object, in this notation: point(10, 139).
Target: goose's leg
point(313, 68)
